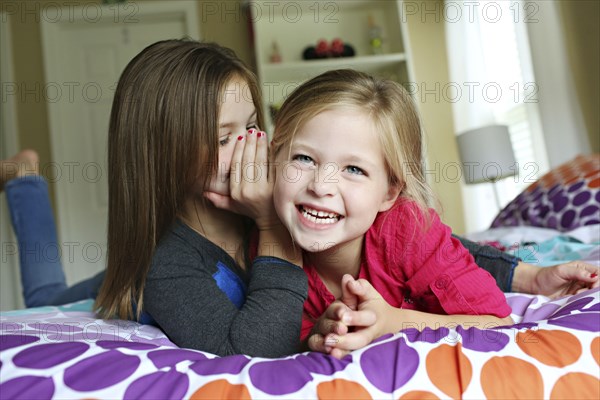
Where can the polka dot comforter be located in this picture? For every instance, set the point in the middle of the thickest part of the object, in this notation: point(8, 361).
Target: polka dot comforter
point(66, 352)
point(552, 352)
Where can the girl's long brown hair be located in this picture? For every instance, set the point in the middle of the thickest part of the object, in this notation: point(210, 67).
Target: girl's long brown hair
point(163, 137)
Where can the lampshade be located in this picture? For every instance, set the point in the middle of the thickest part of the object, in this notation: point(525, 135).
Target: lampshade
point(486, 154)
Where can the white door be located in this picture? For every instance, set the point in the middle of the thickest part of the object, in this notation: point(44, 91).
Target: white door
point(83, 61)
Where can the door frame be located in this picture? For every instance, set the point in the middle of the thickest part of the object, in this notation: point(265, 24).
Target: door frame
point(10, 298)
point(120, 14)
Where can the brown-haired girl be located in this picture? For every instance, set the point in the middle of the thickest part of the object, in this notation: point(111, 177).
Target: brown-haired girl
point(184, 128)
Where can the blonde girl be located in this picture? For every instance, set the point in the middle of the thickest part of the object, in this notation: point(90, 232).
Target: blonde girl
point(350, 190)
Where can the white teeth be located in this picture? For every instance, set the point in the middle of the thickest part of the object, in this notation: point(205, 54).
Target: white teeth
point(319, 217)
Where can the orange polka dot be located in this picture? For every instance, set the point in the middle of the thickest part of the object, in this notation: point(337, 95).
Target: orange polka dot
point(449, 369)
point(221, 389)
point(554, 348)
point(418, 395)
point(548, 181)
point(510, 377)
point(594, 183)
point(342, 389)
point(576, 385)
point(596, 350)
point(592, 174)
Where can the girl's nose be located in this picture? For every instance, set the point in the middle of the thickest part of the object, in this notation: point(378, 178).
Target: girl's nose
point(324, 181)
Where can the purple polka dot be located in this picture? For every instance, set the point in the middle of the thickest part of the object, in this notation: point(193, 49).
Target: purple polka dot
point(559, 202)
point(597, 196)
point(27, 387)
point(584, 322)
point(49, 355)
point(524, 325)
point(112, 344)
point(581, 198)
point(279, 377)
point(519, 304)
point(574, 306)
point(567, 218)
point(520, 200)
point(159, 385)
point(589, 210)
point(220, 365)
point(554, 190)
point(10, 341)
point(576, 186)
point(323, 364)
point(171, 357)
point(427, 335)
point(482, 340)
point(100, 371)
point(396, 358)
point(595, 307)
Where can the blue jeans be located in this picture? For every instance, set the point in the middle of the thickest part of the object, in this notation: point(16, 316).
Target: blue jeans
point(42, 275)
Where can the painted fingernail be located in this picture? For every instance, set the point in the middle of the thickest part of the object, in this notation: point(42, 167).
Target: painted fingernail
point(240, 138)
point(251, 131)
point(593, 275)
point(260, 134)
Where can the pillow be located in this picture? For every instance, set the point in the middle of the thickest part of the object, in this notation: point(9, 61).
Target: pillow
point(565, 198)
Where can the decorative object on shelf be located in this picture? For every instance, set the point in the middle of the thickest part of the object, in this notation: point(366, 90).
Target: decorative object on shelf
point(375, 36)
point(487, 156)
point(275, 54)
point(337, 48)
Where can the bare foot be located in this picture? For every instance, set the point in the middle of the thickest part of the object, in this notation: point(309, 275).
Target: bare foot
point(24, 163)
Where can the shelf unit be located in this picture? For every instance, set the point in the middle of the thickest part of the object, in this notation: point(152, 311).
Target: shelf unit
point(296, 25)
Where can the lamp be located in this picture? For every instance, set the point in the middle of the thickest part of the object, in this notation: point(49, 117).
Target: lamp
point(487, 155)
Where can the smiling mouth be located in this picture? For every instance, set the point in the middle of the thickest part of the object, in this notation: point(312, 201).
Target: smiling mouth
point(319, 217)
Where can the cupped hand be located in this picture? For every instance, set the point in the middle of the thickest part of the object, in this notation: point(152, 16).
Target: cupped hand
point(250, 181)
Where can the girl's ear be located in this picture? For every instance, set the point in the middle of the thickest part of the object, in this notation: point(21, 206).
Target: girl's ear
point(391, 196)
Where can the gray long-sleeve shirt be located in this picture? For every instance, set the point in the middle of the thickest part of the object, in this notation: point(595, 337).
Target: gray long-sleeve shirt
point(202, 299)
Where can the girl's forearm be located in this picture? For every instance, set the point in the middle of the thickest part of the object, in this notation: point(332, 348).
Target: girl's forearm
point(398, 319)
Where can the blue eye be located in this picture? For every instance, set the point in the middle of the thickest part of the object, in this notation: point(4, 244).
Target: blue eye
point(355, 170)
point(303, 159)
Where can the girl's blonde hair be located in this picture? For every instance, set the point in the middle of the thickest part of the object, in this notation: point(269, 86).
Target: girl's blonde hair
point(163, 137)
point(389, 106)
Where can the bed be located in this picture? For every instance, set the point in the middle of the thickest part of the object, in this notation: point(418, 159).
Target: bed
point(552, 350)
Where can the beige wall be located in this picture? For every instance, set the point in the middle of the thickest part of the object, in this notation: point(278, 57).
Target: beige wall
point(428, 48)
point(427, 41)
point(230, 30)
point(581, 20)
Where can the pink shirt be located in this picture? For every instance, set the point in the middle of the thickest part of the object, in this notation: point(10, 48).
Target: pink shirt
point(415, 269)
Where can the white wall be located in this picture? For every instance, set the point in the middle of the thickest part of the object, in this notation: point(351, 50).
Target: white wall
point(562, 121)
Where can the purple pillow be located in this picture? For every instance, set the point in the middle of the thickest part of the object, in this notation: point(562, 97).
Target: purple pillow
point(565, 198)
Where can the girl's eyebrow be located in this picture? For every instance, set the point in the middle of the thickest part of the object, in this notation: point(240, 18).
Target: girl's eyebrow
point(230, 124)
